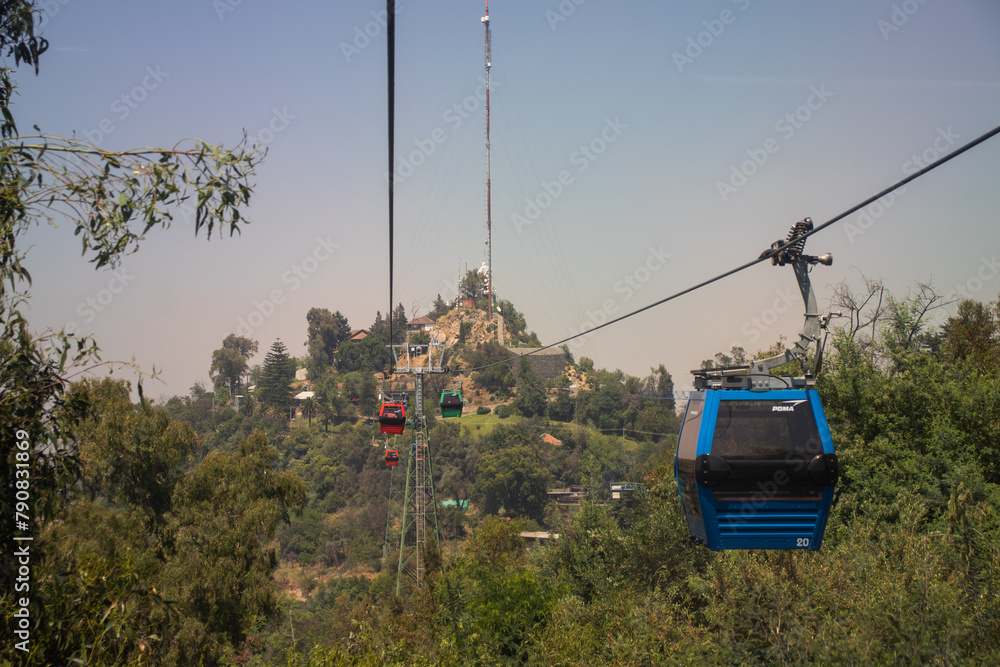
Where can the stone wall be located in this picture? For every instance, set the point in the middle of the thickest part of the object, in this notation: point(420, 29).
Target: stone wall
point(547, 364)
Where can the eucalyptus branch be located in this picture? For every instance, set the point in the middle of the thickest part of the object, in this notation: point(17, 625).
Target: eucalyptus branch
point(113, 198)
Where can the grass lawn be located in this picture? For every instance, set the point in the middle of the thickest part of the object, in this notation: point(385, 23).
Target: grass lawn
point(482, 424)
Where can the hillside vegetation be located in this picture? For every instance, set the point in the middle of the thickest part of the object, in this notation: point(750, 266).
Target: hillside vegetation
point(221, 537)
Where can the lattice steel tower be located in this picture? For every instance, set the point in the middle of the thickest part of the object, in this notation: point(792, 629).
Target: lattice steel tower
point(418, 523)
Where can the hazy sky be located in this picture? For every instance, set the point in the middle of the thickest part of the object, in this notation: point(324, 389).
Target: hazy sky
point(638, 148)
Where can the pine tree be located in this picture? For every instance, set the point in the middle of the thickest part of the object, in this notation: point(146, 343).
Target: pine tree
point(277, 374)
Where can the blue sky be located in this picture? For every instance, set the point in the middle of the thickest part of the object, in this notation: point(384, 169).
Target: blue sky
point(638, 148)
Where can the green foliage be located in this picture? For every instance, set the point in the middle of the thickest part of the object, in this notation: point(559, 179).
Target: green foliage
point(367, 356)
point(381, 327)
point(132, 455)
point(273, 390)
point(324, 334)
point(530, 401)
point(514, 480)
point(96, 591)
point(217, 570)
point(483, 410)
point(515, 325)
point(603, 462)
point(491, 602)
point(229, 363)
point(908, 572)
point(499, 377)
point(973, 336)
point(464, 329)
point(473, 285)
point(561, 409)
point(149, 562)
point(334, 404)
point(111, 200)
point(438, 309)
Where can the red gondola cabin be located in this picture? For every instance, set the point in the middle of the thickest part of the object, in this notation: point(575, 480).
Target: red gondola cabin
point(392, 418)
point(391, 457)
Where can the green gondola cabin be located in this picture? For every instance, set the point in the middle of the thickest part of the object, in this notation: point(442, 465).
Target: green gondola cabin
point(451, 404)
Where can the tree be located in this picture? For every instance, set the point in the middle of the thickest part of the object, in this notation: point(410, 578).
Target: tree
point(331, 402)
point(973, 335)
point(498, 377)
point(324, 334)
point(309, 409)
point(491, 603)
point(438, 308)
point(607, 407)
point(229, 363)
point(473, 285)
point(515, 324)
point(736, 357)
point(561, 409)
point(514, 480)
point(530, 401)
point(132, 454)
point(658, 409)
point(279, 370)
point(217, 569)
point(361, 390)
point(112, 200)
point(381, 326)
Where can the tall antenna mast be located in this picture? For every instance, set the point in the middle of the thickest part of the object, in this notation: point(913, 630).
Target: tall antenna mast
point(489, 208)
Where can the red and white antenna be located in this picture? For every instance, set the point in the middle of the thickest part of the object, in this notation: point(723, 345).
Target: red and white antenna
point(489, 208)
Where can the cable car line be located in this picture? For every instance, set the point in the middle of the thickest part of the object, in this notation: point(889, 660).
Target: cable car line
point(390, 30)
point(771, 253)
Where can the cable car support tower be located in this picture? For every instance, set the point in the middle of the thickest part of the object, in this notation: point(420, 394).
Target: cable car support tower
point(419, 504)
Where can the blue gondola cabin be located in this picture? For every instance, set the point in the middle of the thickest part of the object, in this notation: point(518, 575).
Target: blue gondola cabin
point(756, 470)
point(392, 418)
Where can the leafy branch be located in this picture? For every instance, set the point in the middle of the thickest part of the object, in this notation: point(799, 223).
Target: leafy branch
point(113, 198)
